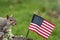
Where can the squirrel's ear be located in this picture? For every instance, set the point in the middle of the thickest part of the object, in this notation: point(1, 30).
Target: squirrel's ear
point(7, 17)
point(11, 15)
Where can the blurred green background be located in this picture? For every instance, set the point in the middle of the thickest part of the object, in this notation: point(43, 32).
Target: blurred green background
point(23, 11)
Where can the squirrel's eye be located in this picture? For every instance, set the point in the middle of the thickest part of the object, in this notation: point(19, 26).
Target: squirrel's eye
point(10, 20)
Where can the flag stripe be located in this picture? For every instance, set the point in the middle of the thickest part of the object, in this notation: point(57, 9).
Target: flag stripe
point(38, 32)
point(43, 26)
point(45, 30)
point(47, 26)
point(48, 32)
point(40, 29)
point(49, 23)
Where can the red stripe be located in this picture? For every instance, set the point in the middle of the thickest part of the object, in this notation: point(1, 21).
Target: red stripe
point(40, 28)
point(46, 29)
point(49, 22)
point(46, 26)
point(41, 25)
point(39, 31)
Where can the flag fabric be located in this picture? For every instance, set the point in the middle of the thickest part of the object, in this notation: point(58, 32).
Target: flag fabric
point(41, 26)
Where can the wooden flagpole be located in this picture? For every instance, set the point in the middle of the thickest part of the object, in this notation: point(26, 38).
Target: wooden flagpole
point(27, 33)
point(28, 29)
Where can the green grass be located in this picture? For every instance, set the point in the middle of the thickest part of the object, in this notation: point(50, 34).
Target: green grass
point(23, 13)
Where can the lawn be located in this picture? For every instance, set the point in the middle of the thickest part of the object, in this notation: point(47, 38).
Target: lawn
point(23, 13)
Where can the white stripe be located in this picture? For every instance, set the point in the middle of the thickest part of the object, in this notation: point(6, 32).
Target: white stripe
point(48, 23)
point(38, 32)
point(47, 26)
point(34, 24)
point(40, 28)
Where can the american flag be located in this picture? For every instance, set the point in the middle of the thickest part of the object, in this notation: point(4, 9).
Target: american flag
point(41, 26)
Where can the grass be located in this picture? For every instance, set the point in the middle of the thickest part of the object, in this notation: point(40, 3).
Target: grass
point(23, 13)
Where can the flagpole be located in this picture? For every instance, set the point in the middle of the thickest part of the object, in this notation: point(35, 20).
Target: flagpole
point(27, 33)
point(28, 29)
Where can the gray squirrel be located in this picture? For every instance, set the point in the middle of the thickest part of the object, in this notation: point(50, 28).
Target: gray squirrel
point(6, 23)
